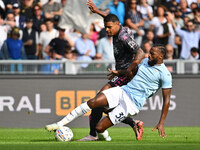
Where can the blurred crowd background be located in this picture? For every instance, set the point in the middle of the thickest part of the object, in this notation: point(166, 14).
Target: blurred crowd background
point(29, 30)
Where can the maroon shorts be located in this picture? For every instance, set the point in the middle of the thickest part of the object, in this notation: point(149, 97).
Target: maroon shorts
point(118, 81)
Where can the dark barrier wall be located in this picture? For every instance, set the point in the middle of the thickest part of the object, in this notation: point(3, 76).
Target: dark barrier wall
point(34, 101)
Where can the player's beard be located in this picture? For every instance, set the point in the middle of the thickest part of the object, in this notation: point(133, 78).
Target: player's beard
point(152, 62)
point(109, 34)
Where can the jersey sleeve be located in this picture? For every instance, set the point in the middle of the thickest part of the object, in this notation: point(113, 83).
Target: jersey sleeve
point(166, 80)
point(128, 39)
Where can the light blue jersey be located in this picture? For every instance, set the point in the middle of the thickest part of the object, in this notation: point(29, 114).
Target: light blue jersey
point(147, 82)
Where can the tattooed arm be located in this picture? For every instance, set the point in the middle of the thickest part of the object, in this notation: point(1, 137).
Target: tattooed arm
point(132, 69)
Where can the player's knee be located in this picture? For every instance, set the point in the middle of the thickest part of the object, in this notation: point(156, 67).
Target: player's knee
point(98, 101)
point(100, 129)
point(91, 103)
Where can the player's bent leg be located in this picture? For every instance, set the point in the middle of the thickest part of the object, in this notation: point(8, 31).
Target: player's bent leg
point(99, 101)
point(101, 127)
point(104, 124)
point(129, 121)
point(94, 118)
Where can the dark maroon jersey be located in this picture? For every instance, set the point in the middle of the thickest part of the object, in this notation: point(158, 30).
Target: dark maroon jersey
point(124, 47)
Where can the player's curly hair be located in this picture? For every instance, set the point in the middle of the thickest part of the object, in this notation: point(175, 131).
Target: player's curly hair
point(111, 18)
point(161, 48)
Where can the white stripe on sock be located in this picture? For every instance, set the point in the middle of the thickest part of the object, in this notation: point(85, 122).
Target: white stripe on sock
point(77, 112)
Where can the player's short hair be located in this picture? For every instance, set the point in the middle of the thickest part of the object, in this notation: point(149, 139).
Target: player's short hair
point(111, 18)
point(161, 48)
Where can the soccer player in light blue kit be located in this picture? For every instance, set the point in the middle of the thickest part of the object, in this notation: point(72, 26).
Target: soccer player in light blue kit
point(129, 99)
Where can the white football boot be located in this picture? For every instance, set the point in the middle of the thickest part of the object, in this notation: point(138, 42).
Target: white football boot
point(52, 127)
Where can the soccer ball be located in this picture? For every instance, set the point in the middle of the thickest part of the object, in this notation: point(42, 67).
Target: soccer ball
point(64, 134)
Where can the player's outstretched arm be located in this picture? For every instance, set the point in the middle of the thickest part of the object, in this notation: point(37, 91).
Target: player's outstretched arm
point(166, 101)
point(94, 9)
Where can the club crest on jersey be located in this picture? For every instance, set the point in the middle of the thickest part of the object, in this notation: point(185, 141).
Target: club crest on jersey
point(125, 37)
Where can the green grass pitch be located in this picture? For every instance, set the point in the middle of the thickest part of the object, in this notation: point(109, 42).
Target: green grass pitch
point(178, 138)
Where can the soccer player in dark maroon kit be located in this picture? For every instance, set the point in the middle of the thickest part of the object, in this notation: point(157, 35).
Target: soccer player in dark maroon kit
point(127, 55)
